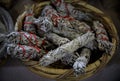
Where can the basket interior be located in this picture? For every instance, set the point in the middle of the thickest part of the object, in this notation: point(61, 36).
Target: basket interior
point(96, 54)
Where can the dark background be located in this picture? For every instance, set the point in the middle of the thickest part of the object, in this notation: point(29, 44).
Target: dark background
point(14, 70)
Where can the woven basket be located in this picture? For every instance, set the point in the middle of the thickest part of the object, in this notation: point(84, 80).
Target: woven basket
point(67, 74)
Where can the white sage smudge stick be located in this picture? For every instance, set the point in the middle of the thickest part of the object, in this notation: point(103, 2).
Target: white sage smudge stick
point(65, 31)
point(102, 37)
point(67, 48)
point(71, 59)
point(24, 38)
point(23, 51)
point(44, 25)
point(50, 12)
point(28, 23)
point(81, 62)
point(82, 27)
point(56, 39)
point(66, 9)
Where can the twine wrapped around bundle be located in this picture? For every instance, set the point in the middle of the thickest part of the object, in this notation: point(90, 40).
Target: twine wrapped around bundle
point(67, 74)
